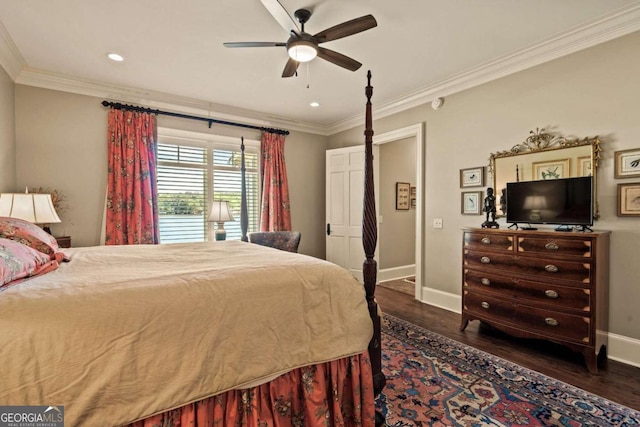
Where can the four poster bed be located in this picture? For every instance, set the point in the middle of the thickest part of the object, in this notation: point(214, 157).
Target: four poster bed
point(224, 333)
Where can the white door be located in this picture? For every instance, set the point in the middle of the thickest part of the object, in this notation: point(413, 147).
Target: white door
point(344, 198)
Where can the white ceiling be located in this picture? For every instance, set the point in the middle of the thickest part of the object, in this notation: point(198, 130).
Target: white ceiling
point(421, 49)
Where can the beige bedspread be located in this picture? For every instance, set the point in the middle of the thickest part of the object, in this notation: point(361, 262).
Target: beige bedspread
point(121, 333)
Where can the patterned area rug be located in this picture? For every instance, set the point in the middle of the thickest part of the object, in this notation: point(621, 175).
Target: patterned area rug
point(436, 381)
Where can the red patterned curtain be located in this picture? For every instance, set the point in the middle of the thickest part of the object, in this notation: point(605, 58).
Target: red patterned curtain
point(275, 212)
point(132, 205)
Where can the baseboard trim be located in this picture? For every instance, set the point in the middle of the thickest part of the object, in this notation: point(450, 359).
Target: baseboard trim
point(620, 348)
point(396, 272)
point(441, 299)
point(624, 349)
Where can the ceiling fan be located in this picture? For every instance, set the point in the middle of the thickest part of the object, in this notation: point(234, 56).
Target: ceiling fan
point(303, 47)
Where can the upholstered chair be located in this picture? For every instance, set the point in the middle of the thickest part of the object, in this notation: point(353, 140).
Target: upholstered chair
point(283, 240)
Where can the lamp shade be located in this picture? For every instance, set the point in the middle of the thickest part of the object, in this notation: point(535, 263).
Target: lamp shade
point(220, 211)
point(36, 208)
point(535, 202)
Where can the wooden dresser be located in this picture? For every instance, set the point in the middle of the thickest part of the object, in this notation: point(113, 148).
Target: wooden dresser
point(539, 284)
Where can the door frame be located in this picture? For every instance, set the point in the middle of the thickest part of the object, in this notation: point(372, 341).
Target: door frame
point(416, 131)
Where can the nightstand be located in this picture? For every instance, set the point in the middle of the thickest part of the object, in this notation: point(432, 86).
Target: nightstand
point(64, 241)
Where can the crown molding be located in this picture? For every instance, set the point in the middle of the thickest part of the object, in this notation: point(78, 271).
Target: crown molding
point(153, 99)
point(607, 27)
point(10, 58)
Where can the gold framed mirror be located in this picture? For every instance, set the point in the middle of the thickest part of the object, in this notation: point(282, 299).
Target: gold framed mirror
point(546, 156)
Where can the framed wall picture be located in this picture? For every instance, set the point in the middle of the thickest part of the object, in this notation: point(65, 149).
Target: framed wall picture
point(584, 166)
point(471, 203)
point(627, 163)
point(402, 196)
point(629, 199)
point(551, 169)
point(472, 177)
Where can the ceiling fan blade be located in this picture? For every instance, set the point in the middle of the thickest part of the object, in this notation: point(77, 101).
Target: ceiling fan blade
point(253, 44)
point(281, 15)
point(290, 68)
point(338, 59)
point(348, 28)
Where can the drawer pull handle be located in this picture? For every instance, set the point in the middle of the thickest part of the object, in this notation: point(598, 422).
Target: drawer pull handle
point(485, 305)
point(552, 246)
point(551, 294)
point(486, 240)
point(485, 281)
point(551, 268)
point(551, 321)
point(485, 260)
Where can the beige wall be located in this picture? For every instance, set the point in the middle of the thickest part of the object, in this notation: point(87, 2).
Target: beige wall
point(593, 92)
point(7, 134)
point(396, 234)
point(61, 143)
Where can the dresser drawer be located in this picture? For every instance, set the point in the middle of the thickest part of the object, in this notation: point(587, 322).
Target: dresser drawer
point(550, 247)
point(490, 242)
point(540, 269)
point(476, 281)
point(551, 324)
point(488, 307)
point(545, 295)
point(553, 296)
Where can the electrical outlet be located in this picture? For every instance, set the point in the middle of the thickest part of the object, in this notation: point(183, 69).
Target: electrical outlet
point(437, 223)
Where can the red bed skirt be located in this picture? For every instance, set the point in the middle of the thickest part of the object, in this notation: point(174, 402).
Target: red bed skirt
point(338, 393)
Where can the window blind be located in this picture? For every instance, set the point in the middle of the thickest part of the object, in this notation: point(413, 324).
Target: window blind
point(190, 177)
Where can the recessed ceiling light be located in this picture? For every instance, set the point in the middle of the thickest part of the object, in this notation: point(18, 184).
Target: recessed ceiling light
point(315, 104)
point(115, 57)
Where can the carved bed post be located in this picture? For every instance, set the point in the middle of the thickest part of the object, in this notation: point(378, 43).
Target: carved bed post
point(369, 241)
point(244, 219)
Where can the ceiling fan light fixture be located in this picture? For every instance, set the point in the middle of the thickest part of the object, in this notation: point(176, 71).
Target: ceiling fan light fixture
point(302, 50)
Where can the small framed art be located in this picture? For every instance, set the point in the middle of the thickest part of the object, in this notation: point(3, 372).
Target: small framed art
point(629, 199)
point(552, 169)
point(627, 163)
point(471, 202)
point(584, 166)
point(472, 177)
point(402, 196)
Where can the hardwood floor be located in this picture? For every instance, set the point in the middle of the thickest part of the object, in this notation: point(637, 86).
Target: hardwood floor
point(615, 381)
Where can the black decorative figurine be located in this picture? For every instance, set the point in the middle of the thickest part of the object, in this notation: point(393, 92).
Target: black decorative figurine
point(490, 209)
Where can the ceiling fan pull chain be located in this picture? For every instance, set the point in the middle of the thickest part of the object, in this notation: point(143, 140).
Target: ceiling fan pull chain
point(308, 75)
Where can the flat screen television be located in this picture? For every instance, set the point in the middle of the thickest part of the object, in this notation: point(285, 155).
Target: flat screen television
point(565, 202)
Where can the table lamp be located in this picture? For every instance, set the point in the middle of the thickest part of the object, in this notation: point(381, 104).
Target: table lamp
point(36, 208)
point(220, 213)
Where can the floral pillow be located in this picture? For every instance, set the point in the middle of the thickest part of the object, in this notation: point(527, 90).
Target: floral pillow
point(31, 235)
point(18, 261)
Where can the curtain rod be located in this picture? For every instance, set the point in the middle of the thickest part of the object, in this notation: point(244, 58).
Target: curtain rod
point(119, 106)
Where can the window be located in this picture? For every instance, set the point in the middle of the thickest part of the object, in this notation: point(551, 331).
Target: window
point(195, 169)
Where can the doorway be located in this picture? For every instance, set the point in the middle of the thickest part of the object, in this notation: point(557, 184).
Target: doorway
point(415, 133)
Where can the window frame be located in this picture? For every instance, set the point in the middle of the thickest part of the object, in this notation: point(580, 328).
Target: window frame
point(211, 142)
